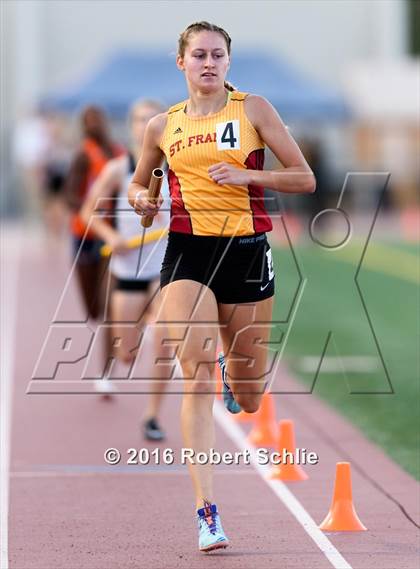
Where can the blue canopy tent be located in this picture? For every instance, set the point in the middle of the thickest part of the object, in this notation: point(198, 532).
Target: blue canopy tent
point(127, 75)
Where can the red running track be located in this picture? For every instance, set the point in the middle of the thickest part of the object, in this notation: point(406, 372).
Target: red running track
point(69, 510)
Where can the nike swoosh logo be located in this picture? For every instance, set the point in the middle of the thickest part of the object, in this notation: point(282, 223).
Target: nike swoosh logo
point(265, 286)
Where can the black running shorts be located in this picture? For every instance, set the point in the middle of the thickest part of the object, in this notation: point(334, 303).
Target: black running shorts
point(236, 269)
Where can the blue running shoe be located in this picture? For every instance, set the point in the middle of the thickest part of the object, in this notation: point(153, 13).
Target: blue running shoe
point(210, 532)
point(228, 399)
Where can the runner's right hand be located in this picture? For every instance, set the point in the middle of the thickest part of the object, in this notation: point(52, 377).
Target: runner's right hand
point(143, 205)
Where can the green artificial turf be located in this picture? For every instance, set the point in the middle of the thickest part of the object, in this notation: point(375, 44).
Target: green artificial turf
point(383, 404)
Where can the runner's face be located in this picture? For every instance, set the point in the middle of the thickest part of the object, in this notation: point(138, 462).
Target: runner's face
point(95, 123)
point(205, 61)
point(140, 118)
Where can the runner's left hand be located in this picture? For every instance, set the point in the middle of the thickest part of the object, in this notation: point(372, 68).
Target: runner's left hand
point(223, 173)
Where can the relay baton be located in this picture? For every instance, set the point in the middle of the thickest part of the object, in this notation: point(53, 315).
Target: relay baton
point(137, 241)
point(154, 191)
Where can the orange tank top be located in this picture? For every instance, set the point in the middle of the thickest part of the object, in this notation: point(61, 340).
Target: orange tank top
point(96, 161)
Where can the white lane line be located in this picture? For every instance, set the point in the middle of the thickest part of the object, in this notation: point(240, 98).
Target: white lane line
point(152, 472)
point(10, 247)
point(280, 489)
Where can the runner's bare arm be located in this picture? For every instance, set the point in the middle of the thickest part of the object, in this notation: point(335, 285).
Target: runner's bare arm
point(151, 158)
point(111, 177)
point(76, 178)
point(296, 177)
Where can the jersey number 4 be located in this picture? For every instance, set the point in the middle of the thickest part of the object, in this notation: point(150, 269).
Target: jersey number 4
point(227, 135)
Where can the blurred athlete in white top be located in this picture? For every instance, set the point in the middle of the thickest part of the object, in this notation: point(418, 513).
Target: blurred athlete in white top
point(136, 296)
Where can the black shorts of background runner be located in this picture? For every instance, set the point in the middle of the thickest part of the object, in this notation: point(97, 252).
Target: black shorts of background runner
point(133, 285)
point(86, 251)
point(236, 269)
point(55, 179)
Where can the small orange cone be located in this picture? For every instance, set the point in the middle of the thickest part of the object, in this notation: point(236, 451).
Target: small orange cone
point(286, 442)
point(342, 515)
point(263, 433)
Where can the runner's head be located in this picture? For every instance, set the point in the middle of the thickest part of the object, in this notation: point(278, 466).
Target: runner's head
point(94, 123)
point(204, 56)
point(140, 113)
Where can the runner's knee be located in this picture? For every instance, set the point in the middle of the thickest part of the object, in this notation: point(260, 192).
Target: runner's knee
point(198, 375)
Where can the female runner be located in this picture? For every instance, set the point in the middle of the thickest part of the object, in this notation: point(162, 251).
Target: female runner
point(217, 272)
point(135, 298)
point(96, 148)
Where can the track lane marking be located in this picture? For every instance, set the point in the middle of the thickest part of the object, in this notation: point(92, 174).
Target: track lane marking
point(236, 434)
point(10, 249)
point(182, 471)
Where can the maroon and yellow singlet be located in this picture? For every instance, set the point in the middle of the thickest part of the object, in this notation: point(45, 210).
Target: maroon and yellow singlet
point(191, 145)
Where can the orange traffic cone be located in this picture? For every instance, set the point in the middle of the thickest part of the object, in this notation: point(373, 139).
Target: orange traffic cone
point(342, 515)
point(263, 433)
point(287, 471)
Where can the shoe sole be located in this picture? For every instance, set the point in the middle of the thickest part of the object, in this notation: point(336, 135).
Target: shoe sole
point(154, 438)
point(217, 545)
